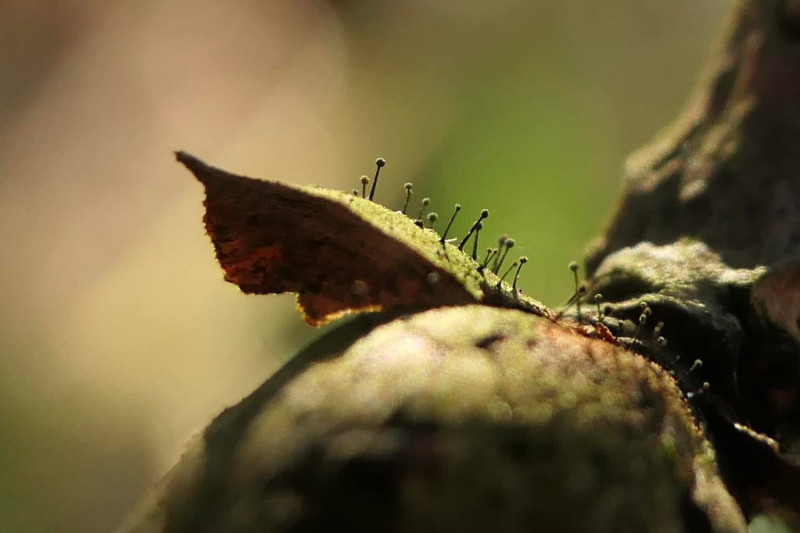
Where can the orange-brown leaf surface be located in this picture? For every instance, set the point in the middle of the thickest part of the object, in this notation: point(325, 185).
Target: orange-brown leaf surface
point(337, 251)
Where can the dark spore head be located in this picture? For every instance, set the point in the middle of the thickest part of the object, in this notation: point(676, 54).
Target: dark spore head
point(475, 227)
point(450, 223)
point(379, 163)
point(364, 181)
point(522, 261)
point(409, 192)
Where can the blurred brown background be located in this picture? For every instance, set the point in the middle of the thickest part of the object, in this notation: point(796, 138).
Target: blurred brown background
point(118, 336)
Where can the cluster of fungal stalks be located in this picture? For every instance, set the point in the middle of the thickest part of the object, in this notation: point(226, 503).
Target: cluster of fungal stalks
point(494, 258)
point(631, 335)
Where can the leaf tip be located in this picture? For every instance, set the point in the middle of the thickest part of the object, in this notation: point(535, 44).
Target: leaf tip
point(195, 165)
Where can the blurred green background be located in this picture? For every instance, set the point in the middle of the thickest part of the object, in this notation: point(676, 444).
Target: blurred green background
point(118, 336)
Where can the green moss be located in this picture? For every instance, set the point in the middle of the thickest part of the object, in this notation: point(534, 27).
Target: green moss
point(469, 419)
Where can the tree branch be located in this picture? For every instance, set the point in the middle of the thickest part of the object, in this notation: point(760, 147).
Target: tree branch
point(726, 172)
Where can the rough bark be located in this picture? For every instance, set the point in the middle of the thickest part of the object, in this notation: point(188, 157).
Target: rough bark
point(479, 418)
point(726, 172)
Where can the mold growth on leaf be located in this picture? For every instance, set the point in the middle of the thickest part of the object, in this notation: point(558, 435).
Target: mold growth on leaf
point(344, 252)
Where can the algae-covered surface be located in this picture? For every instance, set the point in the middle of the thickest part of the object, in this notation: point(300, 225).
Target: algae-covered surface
point(471, 418)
